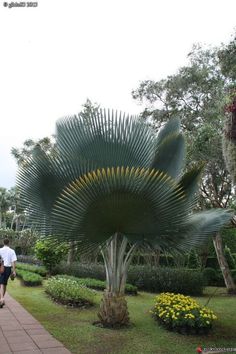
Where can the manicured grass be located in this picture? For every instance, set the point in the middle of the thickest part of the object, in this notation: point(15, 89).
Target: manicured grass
point(74, 328)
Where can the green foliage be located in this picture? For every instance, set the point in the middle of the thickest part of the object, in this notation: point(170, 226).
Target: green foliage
point(74, 330)
point(193, 260)
point(32, 268)
point(29, 259)
point(81, 270)
point(212, 262)
point(227, 57)
point(97, 284)
point(50, 253)
point(211, 276)
point(233, 273)
point(29, 278)
point(69, 292)
point(229, 238)
point(229, 257)
point(22, 241)
point(146, 278)
point(177, 280)
point(23, 154)
point(196, 94)
point(182, 314)
point(95, 183)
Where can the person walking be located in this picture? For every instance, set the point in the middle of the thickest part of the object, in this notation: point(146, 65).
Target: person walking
point(9, 259)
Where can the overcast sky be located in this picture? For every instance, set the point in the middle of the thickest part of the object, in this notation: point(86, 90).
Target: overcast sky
point(55, 56)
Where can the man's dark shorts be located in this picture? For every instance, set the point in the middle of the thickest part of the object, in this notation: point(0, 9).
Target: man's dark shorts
point(5, 275)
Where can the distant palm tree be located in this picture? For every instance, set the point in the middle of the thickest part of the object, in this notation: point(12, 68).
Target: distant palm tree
point(114, 185)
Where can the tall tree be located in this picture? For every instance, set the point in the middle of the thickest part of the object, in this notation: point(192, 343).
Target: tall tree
point(197, 94)
point(4, 206)
point(22, 155)
point(114, 185)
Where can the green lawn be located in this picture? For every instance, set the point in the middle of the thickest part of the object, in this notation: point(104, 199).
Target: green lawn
point(74, 328)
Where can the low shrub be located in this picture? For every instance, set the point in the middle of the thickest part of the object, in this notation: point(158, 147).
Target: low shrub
point(81, 270)
point(176, 280)
point(32, 268)
point(147, 278)
point(28, 259)
point(97, 284)
point(29, 278)
point(182, 314)
point(69, 292)
point(50, 252)
point(211, 276)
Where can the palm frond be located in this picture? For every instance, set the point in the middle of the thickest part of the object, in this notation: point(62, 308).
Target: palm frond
point(111, 175)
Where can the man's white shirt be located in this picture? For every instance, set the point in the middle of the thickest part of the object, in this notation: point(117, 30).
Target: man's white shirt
point(8, 255)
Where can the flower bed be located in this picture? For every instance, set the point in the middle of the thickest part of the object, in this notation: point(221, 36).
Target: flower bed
point(182, 314)
point(69, 292)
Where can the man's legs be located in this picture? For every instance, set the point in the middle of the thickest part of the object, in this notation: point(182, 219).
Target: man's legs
point(2, 293)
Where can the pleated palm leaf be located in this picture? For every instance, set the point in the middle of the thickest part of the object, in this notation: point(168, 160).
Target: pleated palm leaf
point(114, 185)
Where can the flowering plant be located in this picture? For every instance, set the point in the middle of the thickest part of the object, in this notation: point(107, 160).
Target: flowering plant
point(182, 313)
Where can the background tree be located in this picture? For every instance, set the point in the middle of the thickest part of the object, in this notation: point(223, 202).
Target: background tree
point(22, 155)
point(197, 93)
point(4, 206)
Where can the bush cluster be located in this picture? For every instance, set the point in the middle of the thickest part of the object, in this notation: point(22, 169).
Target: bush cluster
point(28, 259)
point(152, 279)
point(69, 292)
point(182, 314)
point(32, 268)
point(97, 284)
point(50, 252)
point(81, 270)
point(176, 280)
point(29, 278)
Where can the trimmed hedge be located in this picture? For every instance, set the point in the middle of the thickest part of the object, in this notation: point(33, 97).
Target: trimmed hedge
point(152, 279)
point(97, 284)
point(214, 277)
point(41, 270)
point(175, 280)
point(28, 259)
point(29, 278)
point(69, 292)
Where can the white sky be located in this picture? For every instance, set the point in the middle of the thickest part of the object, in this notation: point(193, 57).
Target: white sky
point(55, 56)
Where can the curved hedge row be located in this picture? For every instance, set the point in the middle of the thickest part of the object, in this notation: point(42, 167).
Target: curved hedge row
point(97, 284)
point(41, 270)
point(29, 278)
point(69, 292)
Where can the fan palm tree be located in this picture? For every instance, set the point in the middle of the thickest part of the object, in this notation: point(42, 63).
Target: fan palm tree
point(114, 185)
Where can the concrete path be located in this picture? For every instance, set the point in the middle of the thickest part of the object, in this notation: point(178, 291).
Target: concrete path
point(21, 333)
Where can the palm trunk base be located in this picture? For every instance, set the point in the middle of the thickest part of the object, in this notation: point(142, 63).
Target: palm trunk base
point(113, 310)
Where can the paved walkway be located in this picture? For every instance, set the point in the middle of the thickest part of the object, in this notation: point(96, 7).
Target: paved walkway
point(21, 333)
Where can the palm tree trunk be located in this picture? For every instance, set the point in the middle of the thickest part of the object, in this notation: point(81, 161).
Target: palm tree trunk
point(229, 282)
point(113, 309)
